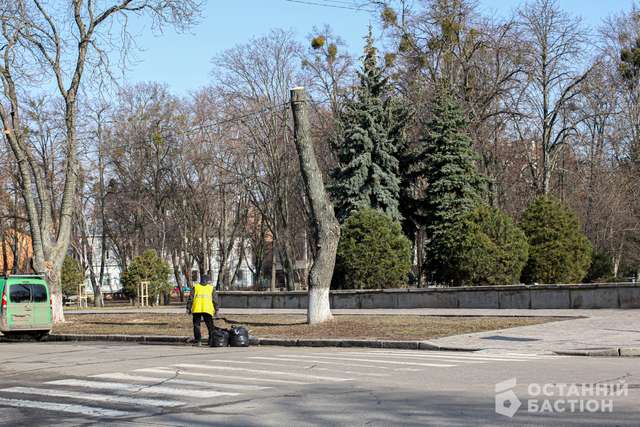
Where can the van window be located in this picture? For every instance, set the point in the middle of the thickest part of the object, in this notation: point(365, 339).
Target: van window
point(39, 293)
point(20, 293)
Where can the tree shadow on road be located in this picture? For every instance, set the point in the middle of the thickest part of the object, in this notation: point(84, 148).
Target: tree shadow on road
point(334, 405)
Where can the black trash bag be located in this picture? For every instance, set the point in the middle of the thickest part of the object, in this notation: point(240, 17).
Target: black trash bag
point(220, 338)
point(238, 336)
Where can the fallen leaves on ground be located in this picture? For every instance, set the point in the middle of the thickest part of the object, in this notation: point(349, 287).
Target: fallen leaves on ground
point(395, 327)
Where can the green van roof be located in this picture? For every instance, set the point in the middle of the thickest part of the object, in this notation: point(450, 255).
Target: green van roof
point(14, 277)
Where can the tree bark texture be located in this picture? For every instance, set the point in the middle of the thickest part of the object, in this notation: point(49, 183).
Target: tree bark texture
point(326, 228)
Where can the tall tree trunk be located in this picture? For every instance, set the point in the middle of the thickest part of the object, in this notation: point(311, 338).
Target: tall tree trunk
point(273, 265)
point(88, 255)
point(238, 267)
point(420, 257)
point(221, 280)
point(616, 266)
point(305, 257)
point(103, 257)
point(288, 264)
point(102, 198)
point(326, 228)
point(186, 270)
point(175, 263)
point(5, 261)
point(16, 256)
point(97, 294)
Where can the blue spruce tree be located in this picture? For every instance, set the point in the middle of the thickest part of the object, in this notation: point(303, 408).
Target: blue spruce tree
point(445, 159)
point(370, 133)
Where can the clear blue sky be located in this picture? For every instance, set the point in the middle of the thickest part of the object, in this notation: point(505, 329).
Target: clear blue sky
point(183, 60)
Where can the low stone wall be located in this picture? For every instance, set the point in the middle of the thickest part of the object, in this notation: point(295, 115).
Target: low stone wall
point(608, 295)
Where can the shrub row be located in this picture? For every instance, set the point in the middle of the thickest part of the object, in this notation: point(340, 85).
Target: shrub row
point(547, 246)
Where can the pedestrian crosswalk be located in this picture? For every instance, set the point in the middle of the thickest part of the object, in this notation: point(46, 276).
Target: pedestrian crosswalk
point(226, 376)
point(63, 407)
point(262, 372)
point(94, 396)
point(143, 379)
point(136, 388)
point(169, 371)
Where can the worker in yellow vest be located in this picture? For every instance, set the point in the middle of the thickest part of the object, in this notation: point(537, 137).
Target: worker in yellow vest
point(201, 305)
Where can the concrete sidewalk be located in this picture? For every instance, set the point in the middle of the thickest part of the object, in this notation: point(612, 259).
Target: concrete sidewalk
point(600, 330)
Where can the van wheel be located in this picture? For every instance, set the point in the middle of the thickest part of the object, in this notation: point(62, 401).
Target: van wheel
point(39, 336)
point(11, 335)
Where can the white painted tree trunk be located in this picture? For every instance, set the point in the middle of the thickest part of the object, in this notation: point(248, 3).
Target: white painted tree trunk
point(57, 309)
point(52, 276)
point(319, 308)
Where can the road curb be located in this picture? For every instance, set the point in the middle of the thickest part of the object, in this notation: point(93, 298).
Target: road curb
point(120, 338)
point(630, 352)
point(602, 352)
point(151, 339)
point(350, 343)
point(339, 343)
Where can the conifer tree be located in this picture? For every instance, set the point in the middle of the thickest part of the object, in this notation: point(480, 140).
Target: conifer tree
point(370, 133)
point(559, 251)
point(445, 159)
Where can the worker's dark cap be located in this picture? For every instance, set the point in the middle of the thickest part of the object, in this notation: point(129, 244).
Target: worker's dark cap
point(205, 278)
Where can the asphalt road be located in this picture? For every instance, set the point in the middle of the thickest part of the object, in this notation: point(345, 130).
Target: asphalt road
point(64, 384)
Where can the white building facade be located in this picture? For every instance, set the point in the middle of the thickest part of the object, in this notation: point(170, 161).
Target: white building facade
point(112, 269)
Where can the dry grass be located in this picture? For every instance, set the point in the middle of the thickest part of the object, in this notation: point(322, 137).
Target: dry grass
point(399, 327)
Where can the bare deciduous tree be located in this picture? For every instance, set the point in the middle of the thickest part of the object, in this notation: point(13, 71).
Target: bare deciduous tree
point(326, 229)
point(554, 48)
point(37, 42)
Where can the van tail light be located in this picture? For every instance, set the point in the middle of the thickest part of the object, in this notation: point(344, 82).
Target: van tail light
point(51, 301)
point(4, 300)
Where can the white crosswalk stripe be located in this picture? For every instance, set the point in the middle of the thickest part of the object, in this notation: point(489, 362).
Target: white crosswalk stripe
point(341, 361)
point(453, 357)
point(63, 407)
point(280, 365)
point(165, 381)
point(137, 401)
point(220, 376)
point(174, 372)
point(139, 388)
point(263, 372)
point(392, 362)
point(294, 359)
point(320, 362)
point(413, 355)
point(524, 355)
point(366, 374)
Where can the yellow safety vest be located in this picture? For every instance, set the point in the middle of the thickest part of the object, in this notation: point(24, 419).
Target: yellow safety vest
point(202, 299)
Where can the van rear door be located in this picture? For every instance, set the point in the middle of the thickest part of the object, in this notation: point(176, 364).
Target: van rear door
point(19, 305)
point(41, 306)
